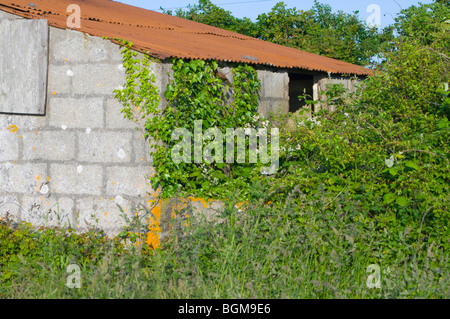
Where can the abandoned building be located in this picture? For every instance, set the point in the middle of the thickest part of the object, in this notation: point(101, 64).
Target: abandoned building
point(67, 154)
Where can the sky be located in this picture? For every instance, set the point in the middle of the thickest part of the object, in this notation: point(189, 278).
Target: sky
point(368, 9)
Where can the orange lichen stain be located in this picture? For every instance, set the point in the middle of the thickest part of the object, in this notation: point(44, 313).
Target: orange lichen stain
point(114, 183)
point(36, 132)
point(48, 179)
point(99, 85)
point(152, 240)
point(201, 200)
point(152, 236)
point(106, 214)
point(53, 92)
point(12, 128)
point(142, 159)
point(67, 60)
point(38, 178)
point(34, 148)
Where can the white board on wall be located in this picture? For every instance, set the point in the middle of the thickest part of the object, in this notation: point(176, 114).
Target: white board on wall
point(23, 66)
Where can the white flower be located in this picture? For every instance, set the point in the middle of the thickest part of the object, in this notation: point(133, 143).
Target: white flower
point(346, 114)
point(265, 124)
point(298, 147)
point(247, 131)
point(255, 118)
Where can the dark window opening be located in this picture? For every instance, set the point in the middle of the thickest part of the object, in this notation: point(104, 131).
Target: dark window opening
point(299, 84)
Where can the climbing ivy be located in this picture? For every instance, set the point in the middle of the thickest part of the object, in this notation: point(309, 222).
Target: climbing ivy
point(197, 90)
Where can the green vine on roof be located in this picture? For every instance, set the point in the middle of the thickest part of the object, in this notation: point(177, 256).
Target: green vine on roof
point(198, 90)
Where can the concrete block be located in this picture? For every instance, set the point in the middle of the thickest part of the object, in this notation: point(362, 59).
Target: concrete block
point(115, 118)
point(49, 145)
point(128, 181)
point(48, 212)
point(274, 84)
point(9, 205)
point(269, 107)
point(141, 149)
point(77, 47)
point(98, 78)
point(105, 147)
point(9, 146)
point(104, 213)
point(76, 113)
point(76, 179)
point(22, 122)
point(59, 80)
point(22, 178)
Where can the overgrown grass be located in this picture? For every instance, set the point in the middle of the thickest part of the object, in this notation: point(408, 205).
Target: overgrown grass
point(296, 250)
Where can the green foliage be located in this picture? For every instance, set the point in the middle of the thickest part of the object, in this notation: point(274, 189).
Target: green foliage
point(208, 13)
point(26, 251)
point(196, 92)
point(319, 30)
point(296, 249)
point(385, 148)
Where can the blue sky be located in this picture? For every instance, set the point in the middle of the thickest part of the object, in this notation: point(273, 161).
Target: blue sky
point(252, 8)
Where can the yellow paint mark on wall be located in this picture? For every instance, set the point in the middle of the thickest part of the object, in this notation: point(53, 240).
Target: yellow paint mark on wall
point(12, 128)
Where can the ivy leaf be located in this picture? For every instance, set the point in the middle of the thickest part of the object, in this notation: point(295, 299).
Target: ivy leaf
point(388, 198)
point(402, 201)
point(393, 171)
point(412, 165)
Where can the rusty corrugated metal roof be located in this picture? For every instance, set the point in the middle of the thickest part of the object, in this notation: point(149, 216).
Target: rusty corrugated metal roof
point(165, 36)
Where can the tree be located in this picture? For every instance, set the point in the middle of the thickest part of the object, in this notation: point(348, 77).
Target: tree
point(208, 13)
point(319, 30)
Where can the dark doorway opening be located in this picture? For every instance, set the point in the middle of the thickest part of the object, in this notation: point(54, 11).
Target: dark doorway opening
point(299, 84)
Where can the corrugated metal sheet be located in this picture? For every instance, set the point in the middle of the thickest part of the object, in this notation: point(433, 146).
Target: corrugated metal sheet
point(164, 36)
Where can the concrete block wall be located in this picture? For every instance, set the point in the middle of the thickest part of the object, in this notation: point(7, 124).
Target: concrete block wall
point(78, 162)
